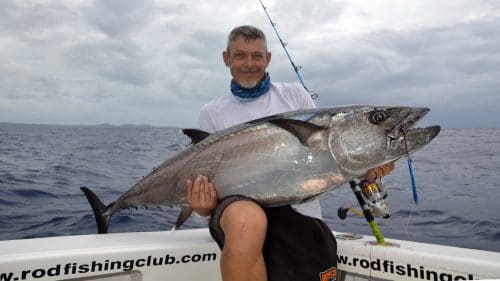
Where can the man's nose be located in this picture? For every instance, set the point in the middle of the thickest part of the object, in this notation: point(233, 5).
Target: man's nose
point(249, 61)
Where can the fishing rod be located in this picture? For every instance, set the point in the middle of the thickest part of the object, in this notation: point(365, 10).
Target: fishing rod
point(363, 188)
point(367, 210)
point(296, 68)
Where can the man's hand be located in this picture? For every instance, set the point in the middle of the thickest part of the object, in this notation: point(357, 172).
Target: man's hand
point(202, 196)
point(379, 172)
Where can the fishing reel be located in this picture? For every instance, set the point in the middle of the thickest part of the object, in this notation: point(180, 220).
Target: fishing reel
point(373, 197)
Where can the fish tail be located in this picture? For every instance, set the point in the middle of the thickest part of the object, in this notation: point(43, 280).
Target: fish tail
point(98, 208)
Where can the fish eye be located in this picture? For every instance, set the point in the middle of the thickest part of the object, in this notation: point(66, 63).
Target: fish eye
point(378, 117)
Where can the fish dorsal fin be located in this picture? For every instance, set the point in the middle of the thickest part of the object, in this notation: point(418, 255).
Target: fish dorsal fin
point(195, 134)
point(301, 129)
point(183, 216)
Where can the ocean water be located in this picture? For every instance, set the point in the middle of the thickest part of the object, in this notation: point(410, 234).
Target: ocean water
point(42, 168)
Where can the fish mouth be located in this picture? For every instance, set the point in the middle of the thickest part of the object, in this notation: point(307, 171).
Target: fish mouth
point(413, 139)
point(402, 136)
point(405, 118)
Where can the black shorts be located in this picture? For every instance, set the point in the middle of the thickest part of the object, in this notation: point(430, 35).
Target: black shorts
point(297, 247)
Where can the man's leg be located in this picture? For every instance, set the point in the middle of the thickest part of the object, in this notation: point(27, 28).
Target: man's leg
point(298, 247)
point(244, 224)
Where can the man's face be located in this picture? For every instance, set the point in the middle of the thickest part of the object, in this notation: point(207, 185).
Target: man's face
point(247, 61)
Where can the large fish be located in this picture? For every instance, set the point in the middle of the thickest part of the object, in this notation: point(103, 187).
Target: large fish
point(281, 159)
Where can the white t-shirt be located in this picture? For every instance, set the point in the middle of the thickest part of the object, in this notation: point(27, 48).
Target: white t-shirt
point(229, 110)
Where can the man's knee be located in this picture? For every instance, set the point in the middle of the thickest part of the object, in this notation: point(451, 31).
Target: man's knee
point(244, 221)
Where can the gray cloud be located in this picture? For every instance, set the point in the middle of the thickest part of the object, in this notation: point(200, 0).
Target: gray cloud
point(450, 69)
point(151, 62)
point(29, 18)
point(116, 60)
point(117, 18)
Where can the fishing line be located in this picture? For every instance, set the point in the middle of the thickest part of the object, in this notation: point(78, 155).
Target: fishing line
point(296, 68)
point(413, 183)
point(408, 220)
point(410, 168)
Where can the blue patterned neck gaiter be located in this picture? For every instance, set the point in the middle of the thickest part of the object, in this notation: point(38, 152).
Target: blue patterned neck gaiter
point(251, 93)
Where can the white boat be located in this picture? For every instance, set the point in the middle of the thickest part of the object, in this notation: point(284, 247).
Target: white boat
point(193, 255)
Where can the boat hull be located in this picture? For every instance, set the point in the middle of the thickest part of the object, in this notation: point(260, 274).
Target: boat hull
point(193, 255)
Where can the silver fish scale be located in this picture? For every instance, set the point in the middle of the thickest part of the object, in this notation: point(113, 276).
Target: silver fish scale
point(259, 159)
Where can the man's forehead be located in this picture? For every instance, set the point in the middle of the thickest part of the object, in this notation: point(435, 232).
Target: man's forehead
point(243, 44)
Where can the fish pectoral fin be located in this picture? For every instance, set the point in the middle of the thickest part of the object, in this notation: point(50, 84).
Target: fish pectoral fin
point(195, 134)
point(183, 216)
point(301, 129)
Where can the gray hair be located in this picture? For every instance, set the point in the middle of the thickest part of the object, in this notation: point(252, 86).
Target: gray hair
point(250, 33)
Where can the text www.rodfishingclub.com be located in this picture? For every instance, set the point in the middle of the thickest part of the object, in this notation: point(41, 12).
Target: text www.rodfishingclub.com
point(399, 270)
point(73, 268)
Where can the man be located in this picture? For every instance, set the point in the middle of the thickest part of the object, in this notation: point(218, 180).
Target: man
point(280, 243)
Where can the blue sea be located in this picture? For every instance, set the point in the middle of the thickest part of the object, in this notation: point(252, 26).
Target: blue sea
point(43, 167)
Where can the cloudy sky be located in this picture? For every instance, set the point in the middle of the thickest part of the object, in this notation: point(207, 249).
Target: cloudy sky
point(157, 62)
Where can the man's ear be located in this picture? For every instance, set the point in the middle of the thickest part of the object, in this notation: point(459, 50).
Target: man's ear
point(268, 58)
point(225, 57)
